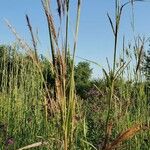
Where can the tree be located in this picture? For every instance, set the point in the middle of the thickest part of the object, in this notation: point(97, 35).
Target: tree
point(83, 74)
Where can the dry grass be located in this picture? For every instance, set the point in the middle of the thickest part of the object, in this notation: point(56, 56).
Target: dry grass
point(124, 135)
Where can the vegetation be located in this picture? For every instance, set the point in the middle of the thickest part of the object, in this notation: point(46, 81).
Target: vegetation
point(146, 66)
point(83, 74)
point(54, 104)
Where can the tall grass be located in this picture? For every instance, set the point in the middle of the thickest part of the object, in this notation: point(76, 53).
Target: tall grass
point(35, 113)
point(64, 102)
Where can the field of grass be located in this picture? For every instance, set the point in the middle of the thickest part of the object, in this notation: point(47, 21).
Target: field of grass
point(40, 107)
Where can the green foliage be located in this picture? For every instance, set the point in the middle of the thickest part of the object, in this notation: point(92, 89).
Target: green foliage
point(146, 70)
point(83, 74)
point(146, 66)
point(47, 71)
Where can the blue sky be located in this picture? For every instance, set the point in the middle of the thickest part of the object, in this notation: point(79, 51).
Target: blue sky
point(95, 35)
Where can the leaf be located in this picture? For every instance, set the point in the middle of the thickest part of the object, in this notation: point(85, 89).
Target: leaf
point(111, 23)
point(89, 144)
point(34, 145)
